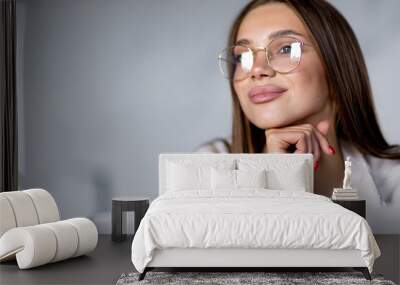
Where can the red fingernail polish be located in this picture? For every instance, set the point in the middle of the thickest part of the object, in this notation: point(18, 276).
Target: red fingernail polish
point(332, 150)
point(316, 164)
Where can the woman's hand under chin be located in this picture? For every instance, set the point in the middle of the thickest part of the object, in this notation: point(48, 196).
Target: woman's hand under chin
point(303, 138)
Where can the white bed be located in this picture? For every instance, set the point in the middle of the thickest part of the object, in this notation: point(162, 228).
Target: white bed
point(284, 225)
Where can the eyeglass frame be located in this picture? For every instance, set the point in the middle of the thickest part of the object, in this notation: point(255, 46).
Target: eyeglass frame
point(254, 51)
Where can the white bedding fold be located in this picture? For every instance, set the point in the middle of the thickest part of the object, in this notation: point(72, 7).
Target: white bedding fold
point(250, 218)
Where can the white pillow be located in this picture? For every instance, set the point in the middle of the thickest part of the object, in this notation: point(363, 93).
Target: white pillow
point(183, 177)
point(251, 178)
point(187, 174)
point(237, 179)
point(296, 179)
point(223, 178)
point(281, 174)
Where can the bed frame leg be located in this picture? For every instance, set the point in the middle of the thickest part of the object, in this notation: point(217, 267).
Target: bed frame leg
point(364, 271)
point(143, 274)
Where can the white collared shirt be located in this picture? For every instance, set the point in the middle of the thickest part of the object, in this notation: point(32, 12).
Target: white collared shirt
point(376, 179)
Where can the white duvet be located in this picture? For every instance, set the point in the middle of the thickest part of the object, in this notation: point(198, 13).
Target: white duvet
point(250, 218)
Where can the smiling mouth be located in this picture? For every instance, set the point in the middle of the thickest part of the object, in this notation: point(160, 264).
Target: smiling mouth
point(266, 97)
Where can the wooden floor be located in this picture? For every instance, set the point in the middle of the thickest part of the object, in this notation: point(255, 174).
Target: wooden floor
point(111, 259)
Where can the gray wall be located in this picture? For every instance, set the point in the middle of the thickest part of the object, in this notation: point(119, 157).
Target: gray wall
point(105, 86)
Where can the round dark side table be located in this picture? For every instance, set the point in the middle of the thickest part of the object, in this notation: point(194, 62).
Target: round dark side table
point(139, 205)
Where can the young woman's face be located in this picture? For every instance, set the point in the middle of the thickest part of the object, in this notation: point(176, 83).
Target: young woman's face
point(306, 97)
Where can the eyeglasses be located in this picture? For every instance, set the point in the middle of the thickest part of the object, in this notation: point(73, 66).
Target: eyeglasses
point(283, 56)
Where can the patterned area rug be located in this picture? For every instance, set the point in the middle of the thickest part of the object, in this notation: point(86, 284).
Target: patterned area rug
point(230, 278)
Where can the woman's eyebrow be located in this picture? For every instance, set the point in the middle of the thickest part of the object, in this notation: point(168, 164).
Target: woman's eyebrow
point(274, 35)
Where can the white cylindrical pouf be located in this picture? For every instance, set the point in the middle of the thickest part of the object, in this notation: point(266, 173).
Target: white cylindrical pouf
point(23, 208)
point(45, 205)
point(31, 232)
point(37, 245)
point(7, 218)
point(67, 239)
point(87, 233)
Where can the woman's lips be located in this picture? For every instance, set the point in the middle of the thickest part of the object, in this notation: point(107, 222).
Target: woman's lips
point(265, 93)
point(265, 97)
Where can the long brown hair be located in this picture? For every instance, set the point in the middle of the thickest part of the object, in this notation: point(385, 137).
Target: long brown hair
point(346, 74)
